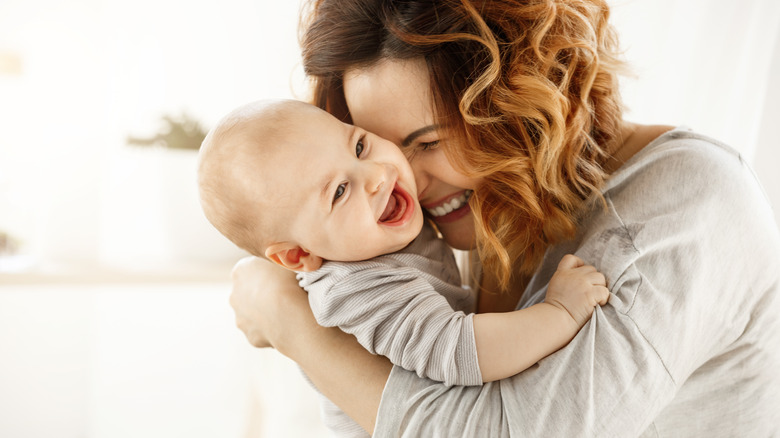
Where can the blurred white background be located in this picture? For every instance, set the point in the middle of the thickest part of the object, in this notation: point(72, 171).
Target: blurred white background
point(114, 319)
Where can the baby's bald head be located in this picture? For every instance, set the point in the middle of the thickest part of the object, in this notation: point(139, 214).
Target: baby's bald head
point(234, 160)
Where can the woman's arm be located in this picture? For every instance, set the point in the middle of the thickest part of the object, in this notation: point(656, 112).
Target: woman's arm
point(273, 311)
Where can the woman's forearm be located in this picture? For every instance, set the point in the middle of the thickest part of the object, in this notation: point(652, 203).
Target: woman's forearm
point(273, 311)
point(339, 367)
point(508, 343)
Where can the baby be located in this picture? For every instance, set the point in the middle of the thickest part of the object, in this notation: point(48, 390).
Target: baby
point(289, 182)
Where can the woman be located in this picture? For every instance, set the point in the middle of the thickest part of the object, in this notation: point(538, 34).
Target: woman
point(514, 103)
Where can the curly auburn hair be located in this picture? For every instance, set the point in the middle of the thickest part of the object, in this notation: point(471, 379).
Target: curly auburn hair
point(528, 87)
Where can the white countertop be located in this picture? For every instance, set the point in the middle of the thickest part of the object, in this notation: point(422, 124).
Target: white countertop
point(18, 270)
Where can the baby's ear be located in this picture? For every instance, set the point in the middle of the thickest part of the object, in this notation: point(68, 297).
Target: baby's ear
point(293, 257)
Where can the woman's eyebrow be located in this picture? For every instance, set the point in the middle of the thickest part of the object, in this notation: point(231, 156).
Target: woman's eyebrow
point(422, 131)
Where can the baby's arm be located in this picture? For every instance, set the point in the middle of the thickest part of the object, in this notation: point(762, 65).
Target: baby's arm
point(508, 343)
point(399, 312)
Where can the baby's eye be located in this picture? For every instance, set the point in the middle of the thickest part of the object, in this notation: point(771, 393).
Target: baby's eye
point(359, 148)
point(339, 191)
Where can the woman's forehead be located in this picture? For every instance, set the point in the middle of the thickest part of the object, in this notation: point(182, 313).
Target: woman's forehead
point(391, 98)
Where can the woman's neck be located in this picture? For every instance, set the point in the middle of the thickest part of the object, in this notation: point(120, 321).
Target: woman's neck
point(632, 138)
point(492, 300)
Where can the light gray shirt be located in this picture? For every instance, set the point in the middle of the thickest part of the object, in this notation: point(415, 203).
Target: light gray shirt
point(689, 344)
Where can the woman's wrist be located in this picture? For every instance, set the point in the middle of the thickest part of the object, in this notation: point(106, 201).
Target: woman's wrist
point(264, 298)
point(293, 322)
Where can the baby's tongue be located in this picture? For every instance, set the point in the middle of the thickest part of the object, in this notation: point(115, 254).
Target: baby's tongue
point(389, 208)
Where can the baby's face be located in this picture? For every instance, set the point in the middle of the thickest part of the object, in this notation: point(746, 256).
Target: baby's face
point(348, 194)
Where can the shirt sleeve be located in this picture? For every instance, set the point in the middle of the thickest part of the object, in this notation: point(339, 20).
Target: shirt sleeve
point(585, 389)
point(688, 341)
point(395, 313)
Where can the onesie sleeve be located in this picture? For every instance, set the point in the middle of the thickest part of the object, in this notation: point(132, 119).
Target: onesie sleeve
point(394, 312)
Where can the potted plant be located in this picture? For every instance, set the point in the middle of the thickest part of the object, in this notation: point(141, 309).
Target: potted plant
point(153, 213)
point(177, 132)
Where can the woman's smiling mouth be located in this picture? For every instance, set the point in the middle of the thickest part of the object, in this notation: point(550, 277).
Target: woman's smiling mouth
point(451, 208)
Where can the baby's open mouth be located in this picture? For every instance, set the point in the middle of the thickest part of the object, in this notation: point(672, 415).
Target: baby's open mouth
point(398, 209)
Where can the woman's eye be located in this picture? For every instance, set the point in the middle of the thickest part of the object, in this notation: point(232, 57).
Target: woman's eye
point(359, 148)
point(424, 146)
point(339, 191)
point(429, 145)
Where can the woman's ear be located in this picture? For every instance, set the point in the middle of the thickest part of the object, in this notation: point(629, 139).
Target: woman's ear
point(291, 256)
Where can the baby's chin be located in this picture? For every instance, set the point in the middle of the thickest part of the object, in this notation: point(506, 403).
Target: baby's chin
point(410, 232)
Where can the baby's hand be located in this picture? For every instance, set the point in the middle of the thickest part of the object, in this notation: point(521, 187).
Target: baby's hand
point(577, 288)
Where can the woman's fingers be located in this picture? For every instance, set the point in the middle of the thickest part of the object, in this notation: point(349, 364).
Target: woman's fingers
point(257, 286)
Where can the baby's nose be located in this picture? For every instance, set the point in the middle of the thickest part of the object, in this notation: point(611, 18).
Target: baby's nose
point(379, 174)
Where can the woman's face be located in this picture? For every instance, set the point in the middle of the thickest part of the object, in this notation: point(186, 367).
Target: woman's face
point(393, 100)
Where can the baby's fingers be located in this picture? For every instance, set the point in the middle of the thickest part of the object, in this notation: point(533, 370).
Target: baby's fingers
point(602, 294)
point(596, 278)
point(570, 261)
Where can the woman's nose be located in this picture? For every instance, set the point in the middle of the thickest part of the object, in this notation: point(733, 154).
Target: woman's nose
point(422, 177)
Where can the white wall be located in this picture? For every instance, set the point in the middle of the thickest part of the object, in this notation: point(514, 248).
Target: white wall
point(78, 358)
point(113, 330)
point(712, 65)
point(767, 158)
point(702, 63)
point(96, 71)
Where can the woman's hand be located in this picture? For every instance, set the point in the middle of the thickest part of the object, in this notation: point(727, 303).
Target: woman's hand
point(262, 293)
point(273, 311)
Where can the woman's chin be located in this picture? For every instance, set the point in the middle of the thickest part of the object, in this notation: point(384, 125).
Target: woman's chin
point(459, 234)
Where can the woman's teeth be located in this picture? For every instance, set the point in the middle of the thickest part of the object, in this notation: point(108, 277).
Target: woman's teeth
point(452, 205)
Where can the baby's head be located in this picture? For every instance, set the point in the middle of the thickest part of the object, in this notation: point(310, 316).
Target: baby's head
point(287, 181)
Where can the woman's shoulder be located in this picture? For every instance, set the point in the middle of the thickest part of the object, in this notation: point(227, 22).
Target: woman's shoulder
point(678, 161)
point(685, 139)
point(686, 183)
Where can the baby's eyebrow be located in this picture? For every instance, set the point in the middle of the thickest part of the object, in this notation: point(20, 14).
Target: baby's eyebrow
point(420, 132)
